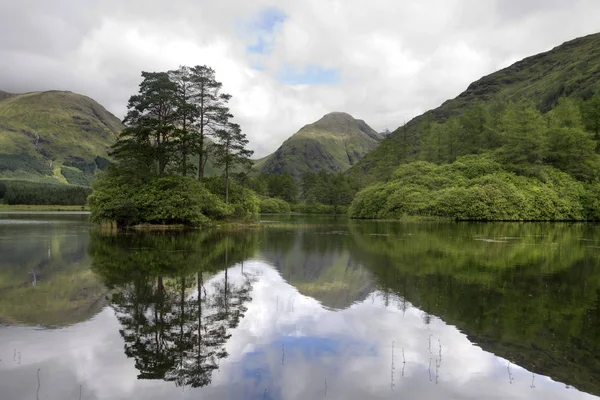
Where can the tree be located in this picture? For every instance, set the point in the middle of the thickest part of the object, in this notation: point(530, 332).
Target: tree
point(230, 151)
point(187, 113)
point(523, 136)
point(591, 116)
point(148, 141)
point(212, 111)
point(283, 186)
point(475, 123)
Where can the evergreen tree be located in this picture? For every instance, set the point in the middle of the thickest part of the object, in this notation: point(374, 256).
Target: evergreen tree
point(212, 111)
point(591, 116)
point(230, 151)
point(148, 141)
point(523, 130)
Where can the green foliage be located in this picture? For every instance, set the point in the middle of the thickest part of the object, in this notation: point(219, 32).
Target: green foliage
point(23, 162)
point(102, 163)
point(319, 208)
point(570, 70)
point(3, 189)
point(76, 177)
point(274, 206)
point(24, 192)
point(333, 189)
point(474, 188)
point(282, 186)
point(169, 200)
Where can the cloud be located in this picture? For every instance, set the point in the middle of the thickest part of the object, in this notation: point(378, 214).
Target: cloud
point(286, 63)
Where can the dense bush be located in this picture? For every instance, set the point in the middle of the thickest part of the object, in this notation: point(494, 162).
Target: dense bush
point(169, 200)
point(81, 164)
point(102, 163)
point(477, 188)
point(274, 206)
point(23, 192)
point(24, 162)
point(318, 208)
point(244, 201)
point(75, 177)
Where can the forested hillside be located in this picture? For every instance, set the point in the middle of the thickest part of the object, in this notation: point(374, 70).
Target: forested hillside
point(570, 70)
point(520, 144)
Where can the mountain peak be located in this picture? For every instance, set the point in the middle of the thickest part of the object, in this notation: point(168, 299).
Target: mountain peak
point(333, 143)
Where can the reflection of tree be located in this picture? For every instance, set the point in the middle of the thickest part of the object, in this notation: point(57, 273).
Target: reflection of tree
point(172, 333)
point(538, 306)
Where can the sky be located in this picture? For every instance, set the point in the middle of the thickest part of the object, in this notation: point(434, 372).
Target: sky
point(287, 62)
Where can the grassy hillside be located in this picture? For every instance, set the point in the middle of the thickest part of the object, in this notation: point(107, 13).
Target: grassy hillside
point(569, 70)
point(54, 137)
point(334, 143)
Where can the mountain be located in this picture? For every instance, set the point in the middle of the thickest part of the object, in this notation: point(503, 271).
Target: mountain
point(569, 70)
point(334, 143)
point(54, 137)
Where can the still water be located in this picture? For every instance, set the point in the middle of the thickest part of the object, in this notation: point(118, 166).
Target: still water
point(303, 308)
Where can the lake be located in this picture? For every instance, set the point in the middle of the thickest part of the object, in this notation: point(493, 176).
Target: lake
point(301, 308)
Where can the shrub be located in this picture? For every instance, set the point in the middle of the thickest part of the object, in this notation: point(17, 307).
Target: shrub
point(168, 200)
point(274, 206)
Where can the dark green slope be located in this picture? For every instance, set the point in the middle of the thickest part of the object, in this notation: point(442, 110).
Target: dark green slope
point(569, 70)
point(55, 137)
point(334, 143)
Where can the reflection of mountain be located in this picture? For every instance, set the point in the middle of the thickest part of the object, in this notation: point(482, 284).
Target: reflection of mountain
point(173, 325)
point(44, 272)
point(319, 264)
point(529, 293)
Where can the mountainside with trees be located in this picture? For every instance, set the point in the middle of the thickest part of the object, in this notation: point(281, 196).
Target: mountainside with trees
point(570, 70)
point(509, 152)
point(332, 144)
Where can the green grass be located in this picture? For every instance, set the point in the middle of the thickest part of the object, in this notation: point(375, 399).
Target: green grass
point(51, 129)
point(40, 207)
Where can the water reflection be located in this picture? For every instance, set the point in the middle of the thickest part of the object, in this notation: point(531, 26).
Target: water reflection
point(328, 310)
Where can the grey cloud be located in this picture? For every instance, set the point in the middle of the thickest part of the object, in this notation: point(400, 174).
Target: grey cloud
point(395, 59)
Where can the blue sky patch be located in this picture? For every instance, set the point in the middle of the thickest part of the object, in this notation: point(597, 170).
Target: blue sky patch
point(309, 75)
point(263, 27)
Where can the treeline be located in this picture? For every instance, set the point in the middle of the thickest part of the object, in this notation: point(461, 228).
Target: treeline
point(501, 161)
point(168, 124)
point(25, 193)
point(315, 193)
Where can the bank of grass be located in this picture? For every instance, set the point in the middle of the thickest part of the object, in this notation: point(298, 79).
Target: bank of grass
point(40, 207)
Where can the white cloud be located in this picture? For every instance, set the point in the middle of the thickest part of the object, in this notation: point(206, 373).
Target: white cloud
point(395, 59)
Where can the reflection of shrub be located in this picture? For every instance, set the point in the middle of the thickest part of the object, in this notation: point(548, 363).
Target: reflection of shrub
point(274, 206)
point(23, 192)
point(75, 177)
point(3, 189)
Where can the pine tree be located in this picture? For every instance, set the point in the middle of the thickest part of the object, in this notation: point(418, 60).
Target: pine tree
point(230, 151)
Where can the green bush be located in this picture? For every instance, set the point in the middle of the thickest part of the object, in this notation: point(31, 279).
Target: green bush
point(75, 177)
point(168, 200)
point(25, 193)
point(319, 208)
point(24, 162)
point(274, 206)
point(475, 188)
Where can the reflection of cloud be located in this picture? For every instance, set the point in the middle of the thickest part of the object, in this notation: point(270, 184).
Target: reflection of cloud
point(293, 352)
